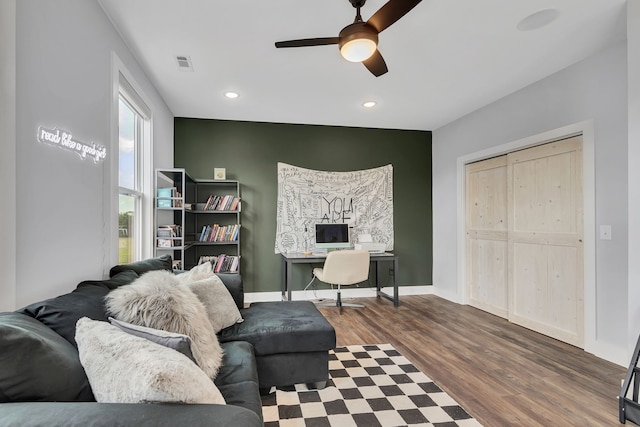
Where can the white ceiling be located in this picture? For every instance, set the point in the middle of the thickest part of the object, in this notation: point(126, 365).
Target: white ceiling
point(446, 58)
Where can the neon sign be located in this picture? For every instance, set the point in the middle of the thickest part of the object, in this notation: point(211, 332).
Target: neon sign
point(63, 139)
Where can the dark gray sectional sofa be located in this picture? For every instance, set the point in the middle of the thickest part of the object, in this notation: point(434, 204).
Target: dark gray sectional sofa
point(43, 383)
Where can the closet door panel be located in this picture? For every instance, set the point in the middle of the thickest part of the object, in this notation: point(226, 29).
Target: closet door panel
point(486, 235)
point(545, 239)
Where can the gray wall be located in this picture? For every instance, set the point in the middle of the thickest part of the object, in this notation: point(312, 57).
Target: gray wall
point(63, 69)
point(8, 157)
point(633, 59)
point(594, 89)
point(250, 152)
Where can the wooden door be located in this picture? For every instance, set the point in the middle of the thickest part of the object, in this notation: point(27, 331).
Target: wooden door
point(486, 235)
point(545, 232)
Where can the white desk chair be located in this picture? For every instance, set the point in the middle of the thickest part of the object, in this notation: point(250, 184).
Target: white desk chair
point(343, 268)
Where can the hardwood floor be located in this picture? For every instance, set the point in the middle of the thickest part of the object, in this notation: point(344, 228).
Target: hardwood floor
point(501, 373)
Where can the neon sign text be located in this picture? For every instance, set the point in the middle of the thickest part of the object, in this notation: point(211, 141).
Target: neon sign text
point(64, 139)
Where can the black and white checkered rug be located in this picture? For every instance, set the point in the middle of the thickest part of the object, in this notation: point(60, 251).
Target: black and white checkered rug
point(370, 385)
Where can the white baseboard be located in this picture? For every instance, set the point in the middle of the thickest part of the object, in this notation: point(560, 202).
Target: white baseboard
point(250, 297)
point(449, 296)
point(610, 353)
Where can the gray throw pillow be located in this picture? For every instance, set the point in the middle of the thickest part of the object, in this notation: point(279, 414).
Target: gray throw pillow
point(178, 342)
point(218, 302)
point(211, 291)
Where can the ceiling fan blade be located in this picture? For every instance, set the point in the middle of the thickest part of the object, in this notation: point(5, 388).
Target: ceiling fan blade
point(375, 63)
point(390, 13)
point(320, 41)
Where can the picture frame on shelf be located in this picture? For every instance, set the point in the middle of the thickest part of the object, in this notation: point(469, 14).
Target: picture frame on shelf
point(165, 243)
point(219, 173)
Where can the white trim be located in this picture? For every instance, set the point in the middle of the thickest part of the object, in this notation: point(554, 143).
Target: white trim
point(309, 295)
point(586, 129)
point(122, 79)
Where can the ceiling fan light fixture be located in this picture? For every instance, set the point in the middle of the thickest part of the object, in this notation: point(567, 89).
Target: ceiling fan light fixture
point(358, 42)
point(358, 50)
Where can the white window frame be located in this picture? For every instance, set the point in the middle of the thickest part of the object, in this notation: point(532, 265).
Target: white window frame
point(124, 84)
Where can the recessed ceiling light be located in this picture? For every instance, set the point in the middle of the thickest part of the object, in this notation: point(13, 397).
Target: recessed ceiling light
point(231, 95)
point(369, 104)
point(538, 19)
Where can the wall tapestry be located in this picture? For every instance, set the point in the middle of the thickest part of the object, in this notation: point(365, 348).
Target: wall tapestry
point(363, 199)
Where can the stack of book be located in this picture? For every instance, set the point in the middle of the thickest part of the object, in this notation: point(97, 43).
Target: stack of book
point(222, 203)
point(227, 264)
point(219, 233)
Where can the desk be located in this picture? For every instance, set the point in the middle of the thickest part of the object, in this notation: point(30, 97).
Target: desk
point(288, 259)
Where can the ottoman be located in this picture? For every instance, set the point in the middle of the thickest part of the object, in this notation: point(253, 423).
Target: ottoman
point(291, 341)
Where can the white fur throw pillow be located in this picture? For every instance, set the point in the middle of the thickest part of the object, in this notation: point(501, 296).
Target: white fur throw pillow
point(157, 300)
point(123, 368)
point(208, 287)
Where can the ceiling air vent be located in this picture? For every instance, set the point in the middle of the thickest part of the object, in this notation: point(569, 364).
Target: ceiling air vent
point(184, 63)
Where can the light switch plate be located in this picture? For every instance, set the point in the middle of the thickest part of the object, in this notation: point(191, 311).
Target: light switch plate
point(605, 232)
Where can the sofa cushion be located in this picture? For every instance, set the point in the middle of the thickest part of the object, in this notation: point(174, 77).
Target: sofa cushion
point(238, 364)
point(61, 313)
point(282, 327)
point(123, 368)
point(214, 295)
point(157, 300)
point(233, 282)
point(178, 342)
point(29, 414)
point(163, 262)
point(36, 364)
point(238, 377)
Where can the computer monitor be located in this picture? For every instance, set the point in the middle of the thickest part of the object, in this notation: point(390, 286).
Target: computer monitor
point(332, 236)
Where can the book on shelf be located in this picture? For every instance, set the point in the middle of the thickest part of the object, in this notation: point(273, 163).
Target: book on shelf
point(227, 264)
point(217, 233)
point(235, 205)
point(227, 202)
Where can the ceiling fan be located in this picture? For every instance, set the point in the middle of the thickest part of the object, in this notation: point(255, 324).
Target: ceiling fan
point(358, 42)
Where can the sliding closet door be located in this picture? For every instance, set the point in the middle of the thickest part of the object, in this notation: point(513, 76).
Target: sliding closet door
point(545, 232)
point(486, 228)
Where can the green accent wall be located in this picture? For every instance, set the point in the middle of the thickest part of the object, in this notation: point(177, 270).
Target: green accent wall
point(250, 152)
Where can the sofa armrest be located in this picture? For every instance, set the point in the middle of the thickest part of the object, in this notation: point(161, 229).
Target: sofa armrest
point(233, 282)
point(84, 414)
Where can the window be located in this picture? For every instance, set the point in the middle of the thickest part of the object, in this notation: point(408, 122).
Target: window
point(134, 140)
